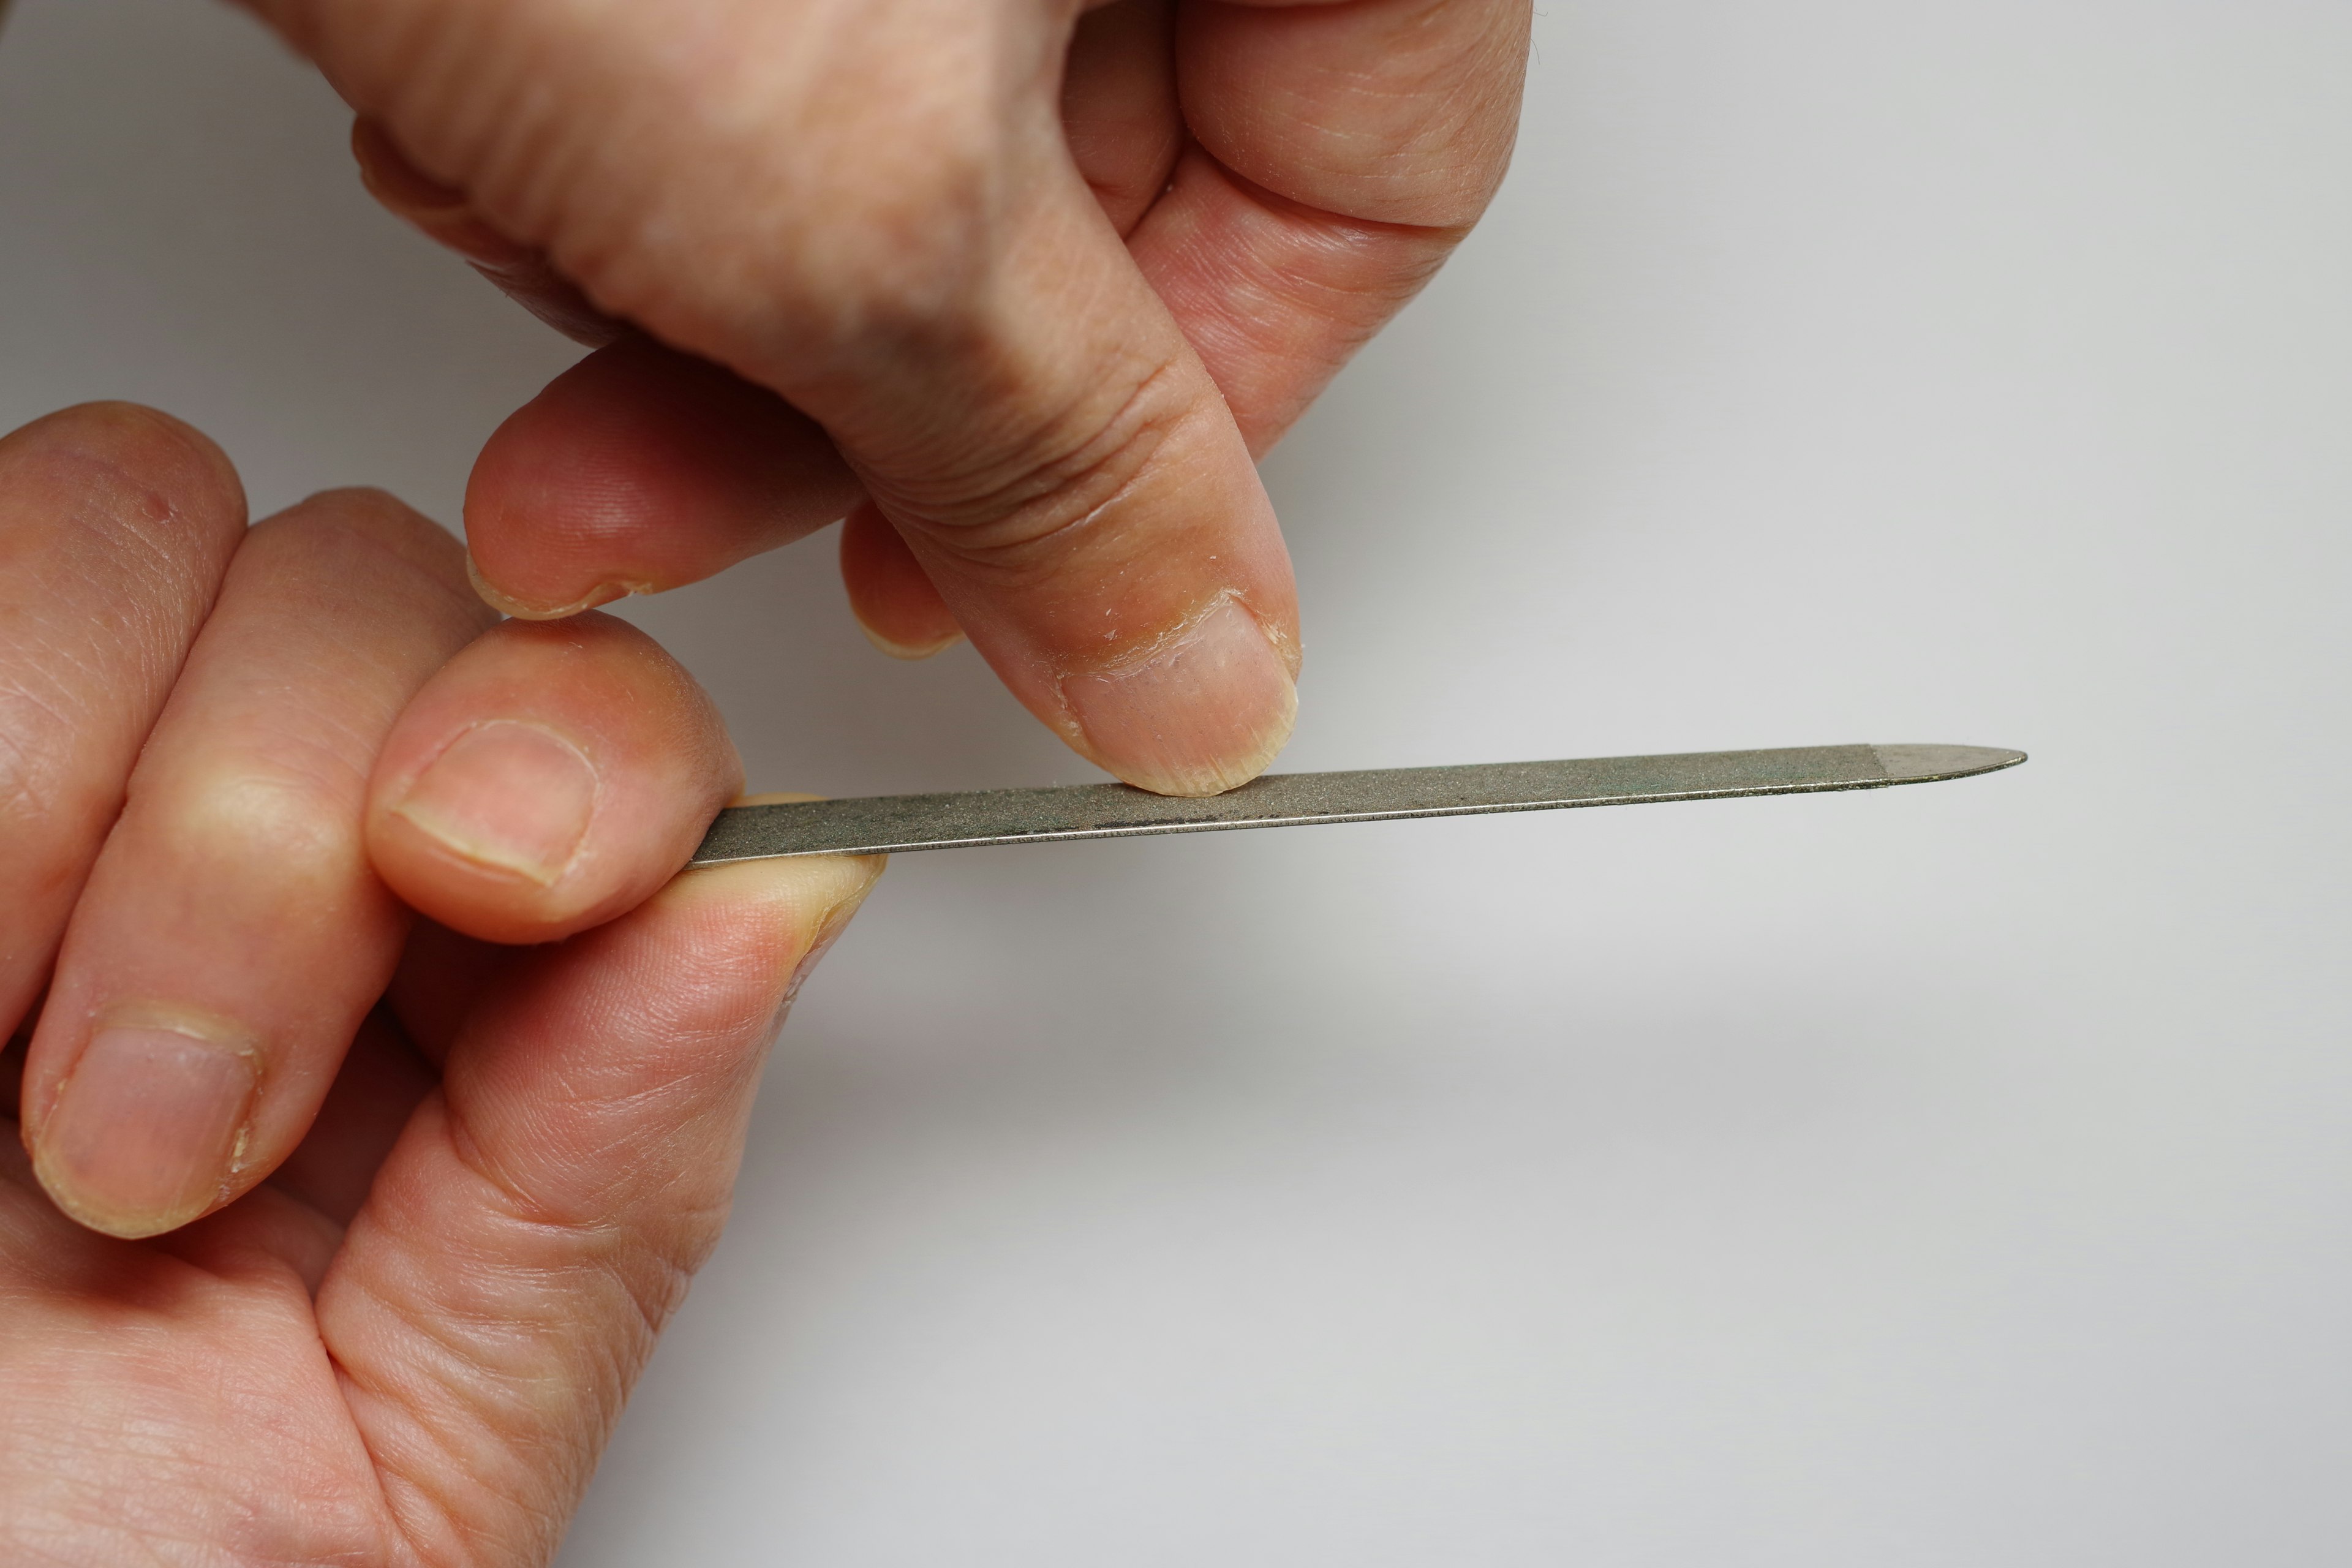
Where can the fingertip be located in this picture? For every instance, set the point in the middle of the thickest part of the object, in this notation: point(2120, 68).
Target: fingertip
point(548, 779)
point(780, 917)
point(1205, 709)
point(807, 900)
point(640, 470)
point(907, 652)
point(815, 895)
point(183, 472)
point(892, 598)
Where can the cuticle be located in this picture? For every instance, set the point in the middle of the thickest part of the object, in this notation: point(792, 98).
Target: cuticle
point(1143, 653)
point(1064, 720)
point(595, 773)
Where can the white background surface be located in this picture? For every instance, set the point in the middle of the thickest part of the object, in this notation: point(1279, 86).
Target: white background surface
point(1951, 1175)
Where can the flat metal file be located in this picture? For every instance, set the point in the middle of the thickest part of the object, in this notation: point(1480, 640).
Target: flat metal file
point(892, 824)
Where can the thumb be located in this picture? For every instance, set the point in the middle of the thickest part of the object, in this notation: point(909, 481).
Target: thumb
point(1072, 482)
point(540, 1216)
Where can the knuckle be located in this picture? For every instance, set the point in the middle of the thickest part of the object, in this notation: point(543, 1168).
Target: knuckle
point(1403, 113)
point(912, 257)
point(1014, 512)
point(880, 225)
point(880, 239)
point(295, 817)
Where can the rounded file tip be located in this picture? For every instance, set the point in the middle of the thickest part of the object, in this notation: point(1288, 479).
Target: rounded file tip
point(1919, 764)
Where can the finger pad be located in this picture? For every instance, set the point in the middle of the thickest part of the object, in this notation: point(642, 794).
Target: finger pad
point(891, 595)
point(645, 470)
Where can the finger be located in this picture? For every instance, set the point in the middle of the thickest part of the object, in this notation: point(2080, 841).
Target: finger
point(881, 223)
point(523, 274)
point(1384, 110)
point(1276, 297)
point(1117, 564)
point(640, 469)
point(116, 524)
point(893, 598)
point(550, 778)
point(539, 1220)
point(636, 470)
point(1342, 150)
point(232, 935)
point(1130, 586)
point(1120, 108)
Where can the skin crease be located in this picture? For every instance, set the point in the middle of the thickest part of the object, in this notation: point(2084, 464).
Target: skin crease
point(1046, 277)
point(476, 1177)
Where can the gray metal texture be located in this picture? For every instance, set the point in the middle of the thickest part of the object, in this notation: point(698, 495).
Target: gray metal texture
point(891, 823)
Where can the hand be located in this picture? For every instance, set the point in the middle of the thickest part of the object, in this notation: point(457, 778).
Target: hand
point(415, 1204)
point(1023, 286)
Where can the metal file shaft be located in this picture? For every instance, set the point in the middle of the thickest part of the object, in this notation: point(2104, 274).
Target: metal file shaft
point(892, 824)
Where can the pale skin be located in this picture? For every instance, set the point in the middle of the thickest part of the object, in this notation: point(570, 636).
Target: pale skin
point(1023, 287)
point(396, 1211)
point(382, 1079)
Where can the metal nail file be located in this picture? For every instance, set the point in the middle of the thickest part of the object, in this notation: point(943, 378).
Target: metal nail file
point(889, 824)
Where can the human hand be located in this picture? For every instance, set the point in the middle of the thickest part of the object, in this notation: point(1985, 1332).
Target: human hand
point(1022, 286)
point(399, 1331)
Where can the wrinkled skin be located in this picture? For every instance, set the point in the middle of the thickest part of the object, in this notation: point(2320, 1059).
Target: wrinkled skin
point(339, 1232)
point(1021, 286)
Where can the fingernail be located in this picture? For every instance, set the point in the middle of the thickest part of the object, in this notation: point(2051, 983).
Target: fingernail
point(146, 1130)
point(1204, 709)
point(909, 651)
point(836, 920)
point(506, 604)
point(507, 795)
